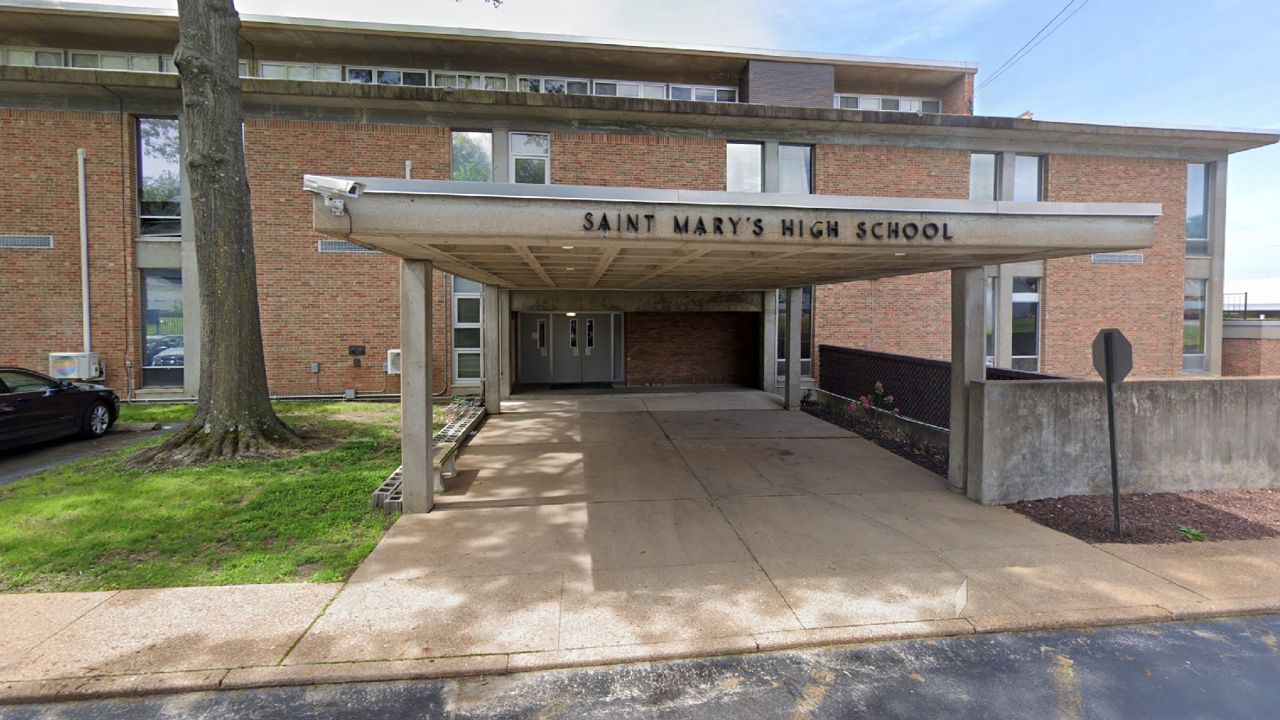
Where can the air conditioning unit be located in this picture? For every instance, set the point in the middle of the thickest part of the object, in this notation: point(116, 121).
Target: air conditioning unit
point(75, 366)
point(393, 362)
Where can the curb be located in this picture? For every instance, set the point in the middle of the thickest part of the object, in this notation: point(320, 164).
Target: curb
point(109, 686)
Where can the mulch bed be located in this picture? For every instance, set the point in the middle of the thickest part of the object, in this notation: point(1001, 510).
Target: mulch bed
point(930, 457)
point(1155, 517)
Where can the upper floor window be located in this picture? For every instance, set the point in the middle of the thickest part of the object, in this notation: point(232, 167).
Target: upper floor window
point(388, 76)
point(119, 61)
point(472, 156)
point(469, 81)
point(554, 85)
point(1028, 178)
point(159, 177)
point(1197, 209)
point(530, 158)
point(883, 102)
point(795, 169)
point(703, 93)
point(744, 167)
point(300, 71)
point(33, 57)
point(626, 88)
point(984, 176)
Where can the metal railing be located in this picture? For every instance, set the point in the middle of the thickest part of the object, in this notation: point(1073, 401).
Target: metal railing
point(920, 387)
point(1235, 306)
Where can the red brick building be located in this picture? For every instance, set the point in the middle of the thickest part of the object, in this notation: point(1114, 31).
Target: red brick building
point(349, 100)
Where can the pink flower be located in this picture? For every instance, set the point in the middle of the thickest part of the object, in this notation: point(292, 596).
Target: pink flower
point(866, 404)
point(889, 399)
point(897, 411)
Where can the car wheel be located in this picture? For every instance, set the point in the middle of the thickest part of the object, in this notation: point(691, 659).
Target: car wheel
point(96, 421)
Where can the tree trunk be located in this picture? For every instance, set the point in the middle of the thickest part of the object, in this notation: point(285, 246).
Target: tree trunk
point(233, 416)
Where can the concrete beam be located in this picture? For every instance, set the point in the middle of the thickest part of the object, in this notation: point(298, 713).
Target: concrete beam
point(769, 341)
point(792, 392)
point(415, 385)
point(967, 362)
point(493, 350)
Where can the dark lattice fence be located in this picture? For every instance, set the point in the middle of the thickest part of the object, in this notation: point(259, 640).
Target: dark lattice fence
point(921, 388)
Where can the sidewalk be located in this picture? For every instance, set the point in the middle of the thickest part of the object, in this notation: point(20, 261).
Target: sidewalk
point(619, 529)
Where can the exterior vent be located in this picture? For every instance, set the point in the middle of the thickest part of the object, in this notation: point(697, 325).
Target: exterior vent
point(29, 242)
point(326, 245)
point(1117, 258)
point(393, 362)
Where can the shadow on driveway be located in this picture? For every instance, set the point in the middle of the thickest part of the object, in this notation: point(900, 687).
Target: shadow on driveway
point(31, 459)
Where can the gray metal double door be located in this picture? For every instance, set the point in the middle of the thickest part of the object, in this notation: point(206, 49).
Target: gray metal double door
point(565, 348)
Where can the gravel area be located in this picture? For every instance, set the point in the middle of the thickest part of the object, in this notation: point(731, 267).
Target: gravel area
point(927, 456)
point(1156, 517)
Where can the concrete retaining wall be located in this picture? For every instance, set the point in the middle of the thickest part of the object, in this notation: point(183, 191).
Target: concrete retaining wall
point(1041, 439)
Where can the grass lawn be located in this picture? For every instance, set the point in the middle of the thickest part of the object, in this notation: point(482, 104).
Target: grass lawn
point(98, 524)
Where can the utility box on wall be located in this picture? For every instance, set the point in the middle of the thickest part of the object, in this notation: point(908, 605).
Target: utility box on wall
point(75, 366)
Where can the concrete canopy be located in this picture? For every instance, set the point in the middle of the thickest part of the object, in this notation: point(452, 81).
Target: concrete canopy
point(579, 237)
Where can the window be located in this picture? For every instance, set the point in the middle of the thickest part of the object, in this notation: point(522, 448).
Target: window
point(18, 381)
point(1028, 178)
point(39, 57)
point(162, 328)
point(387, 76)
point(469, 81)
point(1197, 209)
point(1026, 323)
point(472, 156)
point(468, 299)
point(898, 104)
point(159, 178)
point(554, 85)
point(806, 333)
point(300, 71)
point(989, 317)
point(623, 88)
point(1193, 311)
point(530, 158)
point(703, 93)
point(795, 169)
point(984, 176)
point(118, 61)
point(744, 167)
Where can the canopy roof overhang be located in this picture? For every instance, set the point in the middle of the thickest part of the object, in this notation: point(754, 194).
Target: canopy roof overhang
point(584, 237)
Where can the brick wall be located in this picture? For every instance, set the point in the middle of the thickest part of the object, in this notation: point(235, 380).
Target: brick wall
point(1250, 356)
point(687, 348)
point(40, 289)
point(637, 161)
point(957, 99)
point(790, 83)
point(314, 305)
point(1144, 301)
point(910, 315)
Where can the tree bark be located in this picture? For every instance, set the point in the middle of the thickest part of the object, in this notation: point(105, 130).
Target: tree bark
point(234, 417)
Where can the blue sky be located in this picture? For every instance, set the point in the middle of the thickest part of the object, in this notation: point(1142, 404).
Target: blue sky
point(1183, 62)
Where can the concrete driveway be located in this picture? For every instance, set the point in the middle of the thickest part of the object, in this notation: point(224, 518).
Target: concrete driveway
point(585, 522)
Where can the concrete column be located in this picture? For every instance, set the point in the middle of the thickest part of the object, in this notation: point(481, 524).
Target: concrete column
point(770, 167)
point(415, 385)
point(795, 306)
point(967, 362)
point(508, 347)
point(769, 341)
point(494, 347)
point(1217, 264)
point(1004, 175)
point(1004, 317)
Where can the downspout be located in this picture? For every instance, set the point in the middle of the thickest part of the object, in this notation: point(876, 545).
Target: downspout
point(84, 249)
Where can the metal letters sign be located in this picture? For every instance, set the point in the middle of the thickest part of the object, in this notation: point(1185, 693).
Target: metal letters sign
point(1113, 359)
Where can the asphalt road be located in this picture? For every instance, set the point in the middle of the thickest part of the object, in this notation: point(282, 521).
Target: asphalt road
point(30, 459)
point(1214, 669)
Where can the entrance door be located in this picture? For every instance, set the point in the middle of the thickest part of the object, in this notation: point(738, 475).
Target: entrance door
point(597, 347)
point(535, 348)
point(566, 348)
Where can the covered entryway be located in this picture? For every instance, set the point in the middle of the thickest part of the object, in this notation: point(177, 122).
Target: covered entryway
point(592, 246)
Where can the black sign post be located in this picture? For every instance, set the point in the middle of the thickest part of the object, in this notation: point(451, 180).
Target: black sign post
point(1113, 359)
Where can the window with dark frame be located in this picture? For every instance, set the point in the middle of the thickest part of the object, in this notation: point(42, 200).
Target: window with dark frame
point(159, 171)
point(744, 167)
